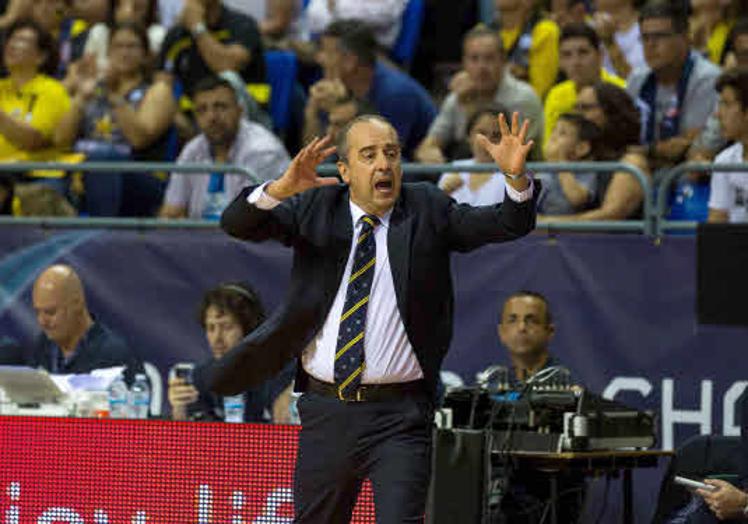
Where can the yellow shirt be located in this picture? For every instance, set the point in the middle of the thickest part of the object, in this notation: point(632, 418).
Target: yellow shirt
point(715, 45)
point(543, 55)
point(563, 98)
point(41, 103)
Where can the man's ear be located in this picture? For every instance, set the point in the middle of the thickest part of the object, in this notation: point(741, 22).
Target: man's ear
point(343, 171)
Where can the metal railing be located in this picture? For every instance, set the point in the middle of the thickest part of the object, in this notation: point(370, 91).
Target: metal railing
point(116, 168)
point(663, 191)
point(646, 225)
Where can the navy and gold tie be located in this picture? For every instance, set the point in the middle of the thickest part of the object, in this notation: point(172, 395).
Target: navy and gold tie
point(349, 353)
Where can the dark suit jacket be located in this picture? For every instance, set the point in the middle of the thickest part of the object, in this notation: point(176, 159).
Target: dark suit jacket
point(425, 227)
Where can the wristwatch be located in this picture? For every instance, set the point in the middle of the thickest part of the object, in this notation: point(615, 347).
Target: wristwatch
point(198, 29)
point(514, 177)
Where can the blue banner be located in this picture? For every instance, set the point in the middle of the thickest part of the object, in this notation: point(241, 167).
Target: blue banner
point(624, 308)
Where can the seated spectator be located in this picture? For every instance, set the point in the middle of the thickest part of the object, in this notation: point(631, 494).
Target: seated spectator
point(581, 62)
point(210, 39)
point(728, 199)
point(31, 102)
point(676, 89)
point(282, 20)
point(339, 113)
point(123, 117)
point(72, 341)
point(54, 16)
point(709, 29)
point(478, 189)
point(531, 43)
point(484, 79)
point(348, 53)
point(384, 17)
point(228, 313)
point(619, 195)
point(737, 46)
point(225, 138)
point(140, 12)
point(574, 139)
point(617, 24)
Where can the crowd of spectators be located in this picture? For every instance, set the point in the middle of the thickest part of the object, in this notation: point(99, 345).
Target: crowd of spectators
point(189, 81)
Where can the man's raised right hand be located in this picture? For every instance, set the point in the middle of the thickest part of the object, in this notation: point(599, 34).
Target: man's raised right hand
point(302, 173)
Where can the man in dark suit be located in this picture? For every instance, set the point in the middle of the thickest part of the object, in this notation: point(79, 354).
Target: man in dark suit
point(375, 245)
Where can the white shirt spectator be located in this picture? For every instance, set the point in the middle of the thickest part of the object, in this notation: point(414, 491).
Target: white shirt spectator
point(729, 191)
point(255, 148)
point(630, 44)
point(384, 16)
point(490, 193)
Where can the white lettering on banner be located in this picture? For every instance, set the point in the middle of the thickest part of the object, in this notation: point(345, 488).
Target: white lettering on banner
point(204, 504)
point(12, 514)
point(729, 428)
point(100, 517)
point(55, 515)
point(237, 503)
point(275, 500)
point(670, 416)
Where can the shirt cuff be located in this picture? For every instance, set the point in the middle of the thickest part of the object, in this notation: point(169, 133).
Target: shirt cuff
point(520, 196)
point(261, 200)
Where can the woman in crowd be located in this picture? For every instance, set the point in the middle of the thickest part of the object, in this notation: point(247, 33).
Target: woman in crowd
point(619, 195)
point(227, 314)
point(478, 189)
point(120, 115)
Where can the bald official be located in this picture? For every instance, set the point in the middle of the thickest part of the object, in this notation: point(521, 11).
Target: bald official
point(72, 340)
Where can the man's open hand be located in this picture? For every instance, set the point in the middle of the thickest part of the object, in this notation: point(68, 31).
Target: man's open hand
point(302, 173)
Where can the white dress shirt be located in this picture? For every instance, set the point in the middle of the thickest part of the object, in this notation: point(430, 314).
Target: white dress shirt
point(388, 353)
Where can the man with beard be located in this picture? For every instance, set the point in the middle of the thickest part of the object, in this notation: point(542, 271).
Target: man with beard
point(225, 138)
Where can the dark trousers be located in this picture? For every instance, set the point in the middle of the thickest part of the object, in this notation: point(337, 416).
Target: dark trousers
point(342, 443)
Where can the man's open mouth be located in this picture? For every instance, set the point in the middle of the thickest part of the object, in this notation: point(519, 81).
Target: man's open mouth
point(383, 185)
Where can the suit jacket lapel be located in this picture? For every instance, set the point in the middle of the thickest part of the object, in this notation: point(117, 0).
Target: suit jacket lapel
point(398, 246)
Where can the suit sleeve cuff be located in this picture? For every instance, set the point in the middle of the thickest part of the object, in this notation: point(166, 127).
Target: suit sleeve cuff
point(260, 199)
point(520, 196)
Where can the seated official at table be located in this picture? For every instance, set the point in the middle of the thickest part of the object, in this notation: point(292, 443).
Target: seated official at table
point(72, 341)
point(227, 314)
point(526, 329)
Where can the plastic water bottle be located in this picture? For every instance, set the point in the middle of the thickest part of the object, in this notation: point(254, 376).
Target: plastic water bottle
point(118, 398)
point(140, 397)
point(293, 408)
point(233, 408)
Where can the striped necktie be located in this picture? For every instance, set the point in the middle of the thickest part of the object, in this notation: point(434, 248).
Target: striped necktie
point(349, 353)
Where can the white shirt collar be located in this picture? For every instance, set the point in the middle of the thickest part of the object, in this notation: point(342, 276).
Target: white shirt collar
point(357, 213)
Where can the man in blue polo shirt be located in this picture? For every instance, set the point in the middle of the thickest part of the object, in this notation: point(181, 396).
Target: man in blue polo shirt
point(348, 55)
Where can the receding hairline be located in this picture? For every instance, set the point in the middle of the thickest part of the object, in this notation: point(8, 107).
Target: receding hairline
point(343, 137)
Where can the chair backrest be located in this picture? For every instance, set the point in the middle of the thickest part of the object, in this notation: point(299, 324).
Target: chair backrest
point(157, 388)
point(281, 67)
point(410, 31)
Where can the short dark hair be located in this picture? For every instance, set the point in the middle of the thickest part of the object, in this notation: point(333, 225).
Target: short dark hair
point(580, 31)
point(342, 145)
point(355, 37)
point(738, 80)
point(677, 15)
point(622, 119)
point(532, 294)
point(492, 109)
point(482, 30)
point(587, 131)
point(45, 42)
point(235, 298)
point(211, 82)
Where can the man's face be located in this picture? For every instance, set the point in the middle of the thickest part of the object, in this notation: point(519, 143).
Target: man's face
point(663, 47)
point(524, 329)
point(372, 169)
point(218, 114)
point(740, 45)
point(56, 313)
point(483, 61)
point(564, 143)
point(222, 330)
point(732, 115)
point(329, 57)
point(580, 61)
